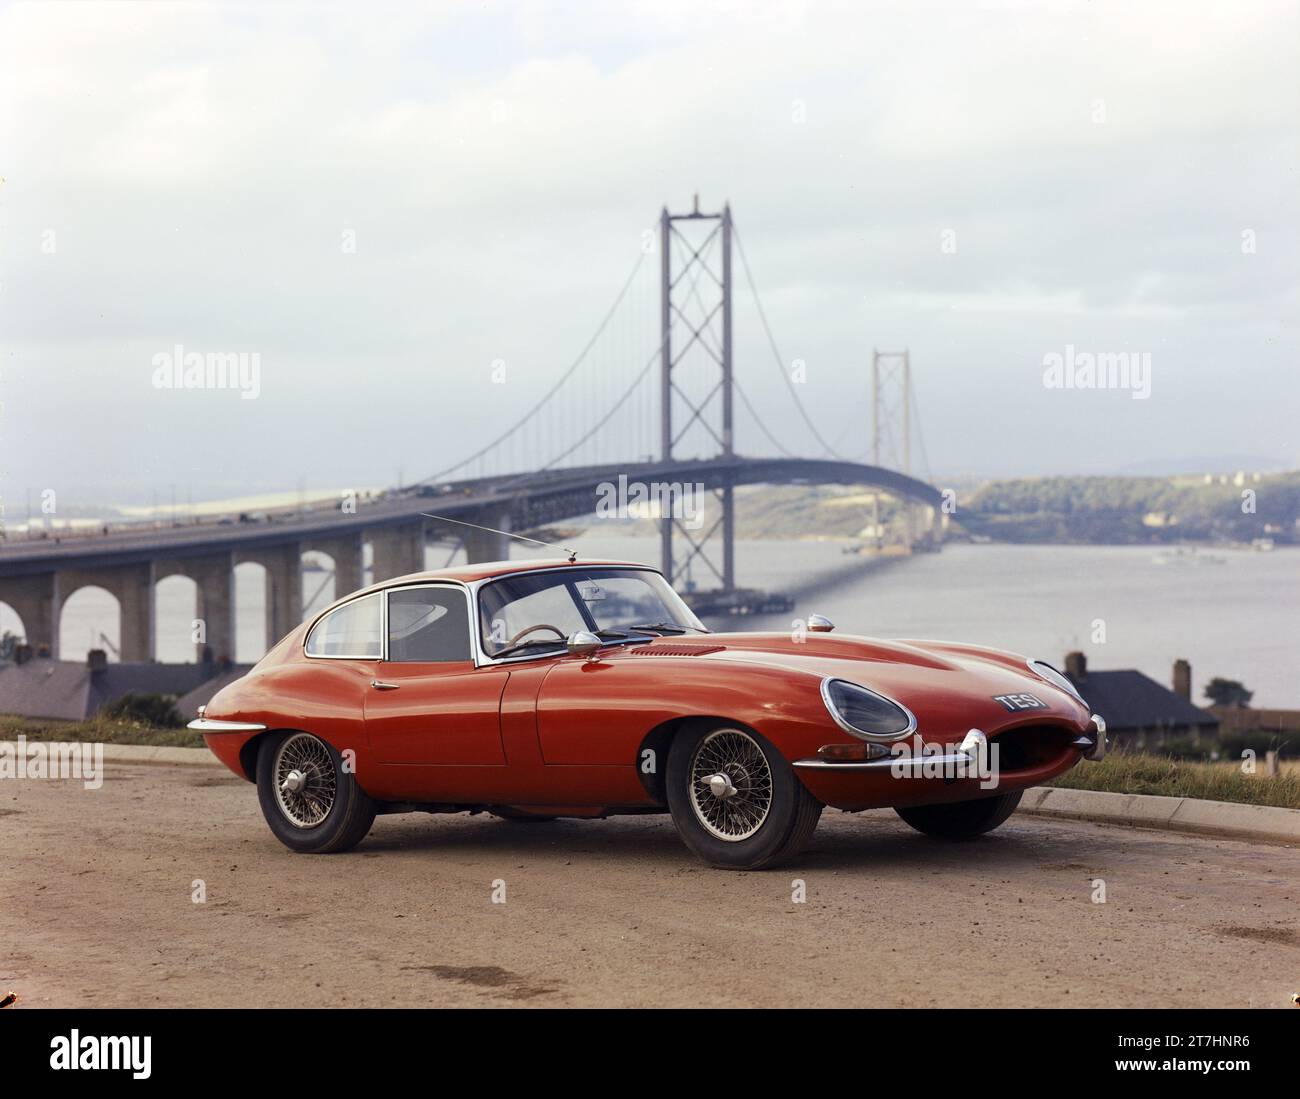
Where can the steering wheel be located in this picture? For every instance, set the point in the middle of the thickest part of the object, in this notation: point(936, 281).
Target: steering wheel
point(540, 626)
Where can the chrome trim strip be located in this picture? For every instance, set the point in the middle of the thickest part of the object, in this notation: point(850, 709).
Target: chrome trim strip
point(477, 586)
point(973, 747)
point(415, 585)
point(472, 589)
point(912, 763)
point(383, 631)
point(1073, 691)
point(215, 725)
point(876, 738)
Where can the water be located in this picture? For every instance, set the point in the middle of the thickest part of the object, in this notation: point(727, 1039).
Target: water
point(1239, 619)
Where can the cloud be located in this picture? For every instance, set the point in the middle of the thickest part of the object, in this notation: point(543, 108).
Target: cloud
point(202, 167)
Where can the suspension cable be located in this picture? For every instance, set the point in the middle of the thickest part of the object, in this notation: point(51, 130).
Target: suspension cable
point(776, 354)
point(582, 355)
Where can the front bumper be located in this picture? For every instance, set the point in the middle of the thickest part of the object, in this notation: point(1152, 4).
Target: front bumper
point(213, 725)
point(970, 752)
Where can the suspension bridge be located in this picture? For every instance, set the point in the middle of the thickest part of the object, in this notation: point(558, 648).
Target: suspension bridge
point(652, 398)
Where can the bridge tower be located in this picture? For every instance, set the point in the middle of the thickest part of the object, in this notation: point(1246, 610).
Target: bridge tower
point(891, 429)
point(695, 382)
point(891, 412)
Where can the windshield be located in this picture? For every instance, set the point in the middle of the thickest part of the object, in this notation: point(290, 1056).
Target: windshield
point(537, 611)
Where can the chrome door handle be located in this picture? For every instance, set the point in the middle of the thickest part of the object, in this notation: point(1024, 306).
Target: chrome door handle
point(380, 685)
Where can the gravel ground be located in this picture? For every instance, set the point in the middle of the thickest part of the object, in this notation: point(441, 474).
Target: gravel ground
point(96, 895)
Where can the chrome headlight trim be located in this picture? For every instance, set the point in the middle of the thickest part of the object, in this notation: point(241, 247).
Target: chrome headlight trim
point(1064, 684)
point(878, 738)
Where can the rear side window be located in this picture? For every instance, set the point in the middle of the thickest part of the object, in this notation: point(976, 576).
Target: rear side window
point(428, 625)
point(352, 630)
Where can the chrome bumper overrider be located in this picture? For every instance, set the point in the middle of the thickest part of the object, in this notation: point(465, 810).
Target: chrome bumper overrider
point(213, 725)
point(1093, 744)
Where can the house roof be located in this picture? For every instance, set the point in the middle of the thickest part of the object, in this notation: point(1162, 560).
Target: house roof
point(1127, 699)
point(71, 691)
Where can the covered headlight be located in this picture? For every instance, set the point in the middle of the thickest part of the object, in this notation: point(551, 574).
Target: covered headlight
point(866, 714)
point(1044, 670)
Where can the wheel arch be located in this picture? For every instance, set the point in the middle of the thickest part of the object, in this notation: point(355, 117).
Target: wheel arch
point(251, 747)
point(248, 751)
point(659, 740)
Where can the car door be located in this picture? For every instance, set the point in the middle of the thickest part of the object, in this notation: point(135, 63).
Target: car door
point(428, 703)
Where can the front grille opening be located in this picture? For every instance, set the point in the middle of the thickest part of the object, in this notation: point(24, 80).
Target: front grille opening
point(1031, 747)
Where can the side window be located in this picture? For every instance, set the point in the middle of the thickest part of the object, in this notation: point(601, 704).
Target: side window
point(352, 630)
point(428, 624)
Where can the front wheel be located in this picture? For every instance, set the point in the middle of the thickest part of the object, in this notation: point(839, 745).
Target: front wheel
point(311, 803)
point(961, 820)
point(735, 800)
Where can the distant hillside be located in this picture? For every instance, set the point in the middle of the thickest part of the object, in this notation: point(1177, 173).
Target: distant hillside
point(1102, 510)
point(1135, 509)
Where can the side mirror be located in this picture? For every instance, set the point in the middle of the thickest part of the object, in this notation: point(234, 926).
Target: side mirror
point(819, 623)
point(583, 643)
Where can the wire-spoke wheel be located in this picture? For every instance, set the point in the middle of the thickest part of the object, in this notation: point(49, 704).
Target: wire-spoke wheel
point(305, 786)
point(731, 785)
point(311, 803)
point(735, 799)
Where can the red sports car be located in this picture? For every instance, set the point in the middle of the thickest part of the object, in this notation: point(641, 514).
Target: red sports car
point(535, 690)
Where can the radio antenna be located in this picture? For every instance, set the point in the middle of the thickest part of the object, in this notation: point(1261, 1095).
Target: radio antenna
point(571, 554)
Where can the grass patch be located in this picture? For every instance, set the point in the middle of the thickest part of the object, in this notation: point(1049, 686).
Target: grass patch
point(107, 730)
point(1137, 773)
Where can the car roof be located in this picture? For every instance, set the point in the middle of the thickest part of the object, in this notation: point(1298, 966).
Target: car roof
point(468, 574)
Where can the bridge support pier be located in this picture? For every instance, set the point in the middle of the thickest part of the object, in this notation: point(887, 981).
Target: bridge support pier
point(486, 545)
point(283, 565)
point(133, 587)
point(397, 550)
point(214, 601)
point(35, 599)
point(347, 553)
point(283, 591)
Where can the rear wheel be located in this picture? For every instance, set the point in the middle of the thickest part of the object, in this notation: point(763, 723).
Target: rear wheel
point(960, 820)
point(735, 800)
point(311, 803)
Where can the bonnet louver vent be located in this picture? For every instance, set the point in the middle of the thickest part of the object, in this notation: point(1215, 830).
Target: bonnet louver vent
point(678, 650)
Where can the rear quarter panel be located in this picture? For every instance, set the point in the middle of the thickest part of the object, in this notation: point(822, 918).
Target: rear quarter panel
point(325, 697)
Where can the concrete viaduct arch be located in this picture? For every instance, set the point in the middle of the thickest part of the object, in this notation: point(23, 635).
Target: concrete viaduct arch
point(37, 577)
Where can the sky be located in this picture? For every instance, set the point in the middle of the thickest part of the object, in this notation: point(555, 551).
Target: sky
point(416, 216)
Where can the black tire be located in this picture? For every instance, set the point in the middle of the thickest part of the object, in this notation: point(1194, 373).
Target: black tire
point(351, 811)
point(961, 820)
point(786, 823)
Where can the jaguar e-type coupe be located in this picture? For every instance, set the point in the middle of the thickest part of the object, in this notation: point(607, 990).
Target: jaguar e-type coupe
point(536, 690)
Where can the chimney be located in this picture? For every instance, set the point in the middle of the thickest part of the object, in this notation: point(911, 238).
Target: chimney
point(96, 660)
point(1183, 679)
point(1076, 667)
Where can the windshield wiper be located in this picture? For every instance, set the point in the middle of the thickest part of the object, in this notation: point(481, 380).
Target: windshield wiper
point(523, 646)
point(662, 627)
